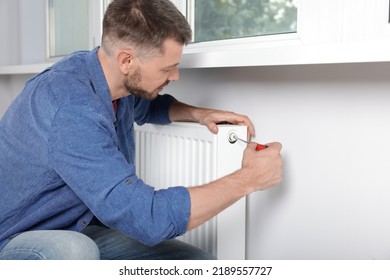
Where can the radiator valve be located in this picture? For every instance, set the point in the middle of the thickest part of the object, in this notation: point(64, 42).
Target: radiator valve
point(232, 137)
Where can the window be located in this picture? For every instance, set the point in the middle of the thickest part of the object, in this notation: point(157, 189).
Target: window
point(68, 26)
point(213, 20)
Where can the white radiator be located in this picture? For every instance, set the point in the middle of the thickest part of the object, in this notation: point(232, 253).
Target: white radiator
point(188, 154)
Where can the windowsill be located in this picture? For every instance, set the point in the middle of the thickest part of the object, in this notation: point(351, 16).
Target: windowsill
point(292, 52)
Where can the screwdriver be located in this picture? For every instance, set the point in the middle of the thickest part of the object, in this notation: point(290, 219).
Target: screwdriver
point(259, 147)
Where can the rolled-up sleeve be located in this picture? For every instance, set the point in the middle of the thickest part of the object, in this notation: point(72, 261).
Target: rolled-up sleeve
point(84, 153)
point(153, 111)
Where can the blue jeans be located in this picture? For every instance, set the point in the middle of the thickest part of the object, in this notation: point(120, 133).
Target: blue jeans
point(94, 243)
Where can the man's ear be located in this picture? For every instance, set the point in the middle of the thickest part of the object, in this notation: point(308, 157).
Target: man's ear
point(126, 61)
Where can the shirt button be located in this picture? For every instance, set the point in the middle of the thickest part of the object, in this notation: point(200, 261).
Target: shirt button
point(129, 182)
point(83, 223)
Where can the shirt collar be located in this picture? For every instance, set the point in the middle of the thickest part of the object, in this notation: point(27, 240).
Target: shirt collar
point(99, 81)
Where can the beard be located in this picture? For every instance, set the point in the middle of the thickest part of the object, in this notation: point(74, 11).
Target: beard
point(132, 85)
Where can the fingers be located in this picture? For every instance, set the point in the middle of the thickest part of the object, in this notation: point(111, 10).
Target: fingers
point(275, 145)
point(212, 127)
point(243, 120)
point(215, 117)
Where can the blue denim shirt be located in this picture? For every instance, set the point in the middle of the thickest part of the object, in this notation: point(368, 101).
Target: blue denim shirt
point(65, 158)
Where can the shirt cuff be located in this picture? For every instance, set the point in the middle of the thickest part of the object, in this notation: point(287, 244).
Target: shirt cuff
point(180, 206)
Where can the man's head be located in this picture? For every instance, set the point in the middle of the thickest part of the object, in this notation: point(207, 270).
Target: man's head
point(145, 38)
point(143, 25)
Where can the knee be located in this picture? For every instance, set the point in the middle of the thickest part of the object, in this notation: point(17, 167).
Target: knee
point(51, 245)
point(75, 246)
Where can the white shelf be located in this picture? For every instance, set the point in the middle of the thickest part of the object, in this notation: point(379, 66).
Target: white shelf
point(23, 69)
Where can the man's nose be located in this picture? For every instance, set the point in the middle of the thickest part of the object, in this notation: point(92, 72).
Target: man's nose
point(174, 76)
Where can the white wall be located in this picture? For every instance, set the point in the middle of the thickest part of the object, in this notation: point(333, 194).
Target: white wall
point(32, 31)
point(333, 121)
point(9, 32)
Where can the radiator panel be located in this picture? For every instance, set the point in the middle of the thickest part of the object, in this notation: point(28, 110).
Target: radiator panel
point(187, 154)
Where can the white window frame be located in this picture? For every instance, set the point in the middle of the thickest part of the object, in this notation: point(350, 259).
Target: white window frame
point(324, 35)
point(96, 13)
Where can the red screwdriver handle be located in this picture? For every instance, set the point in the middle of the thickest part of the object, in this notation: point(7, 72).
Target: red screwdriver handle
point(260, 147)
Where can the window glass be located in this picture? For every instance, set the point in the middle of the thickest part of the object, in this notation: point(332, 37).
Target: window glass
point(229, 19)
point(68, 26)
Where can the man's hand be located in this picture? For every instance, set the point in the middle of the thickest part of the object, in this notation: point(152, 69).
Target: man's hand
point(208, 117)
point(262, 169)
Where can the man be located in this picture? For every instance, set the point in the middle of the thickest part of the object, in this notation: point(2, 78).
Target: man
point(67, 176)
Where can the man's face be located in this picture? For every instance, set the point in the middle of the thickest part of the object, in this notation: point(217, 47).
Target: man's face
point(152, 75)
